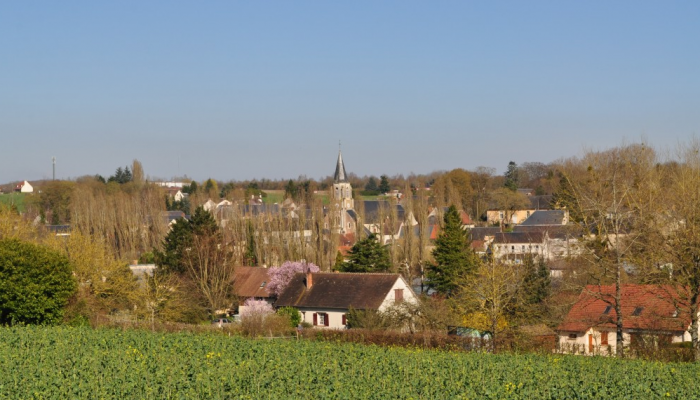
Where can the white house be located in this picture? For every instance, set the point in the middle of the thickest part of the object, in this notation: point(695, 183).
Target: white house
point(24, 187)
point(324, 299)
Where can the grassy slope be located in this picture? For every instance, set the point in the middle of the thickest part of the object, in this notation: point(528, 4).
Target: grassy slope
point(13, 198)
point(83, 363)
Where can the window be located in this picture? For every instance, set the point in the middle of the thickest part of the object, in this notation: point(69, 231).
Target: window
point(523, 248)
point(345, 319)
point(398, 295)
point(528, 214)
point(607, 310)
point(603, 338)
point(637, 311)
point(262, 285)
point(572, 336)
point(321, 319)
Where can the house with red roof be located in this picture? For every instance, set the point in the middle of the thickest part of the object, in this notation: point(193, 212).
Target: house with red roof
point(24, 187)
point(649, 312)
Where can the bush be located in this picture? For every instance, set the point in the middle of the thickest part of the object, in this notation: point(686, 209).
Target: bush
point(291, 313)
point(266, 325)
point(35, 283)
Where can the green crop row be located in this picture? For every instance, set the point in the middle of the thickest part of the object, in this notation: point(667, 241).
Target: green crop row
point(81, 363)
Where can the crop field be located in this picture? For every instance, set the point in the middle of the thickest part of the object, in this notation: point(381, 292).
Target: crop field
point(16, 199)
point(82, 363)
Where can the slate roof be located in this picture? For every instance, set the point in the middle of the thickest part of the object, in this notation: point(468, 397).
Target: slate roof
point(480, 233)
point(251, 282)
point(552, 231)
point(644, 307)
point(545, 217)
point(543, 202)
point(340, 175)
point(372, 210)
point(362, 291)
point(518, 237)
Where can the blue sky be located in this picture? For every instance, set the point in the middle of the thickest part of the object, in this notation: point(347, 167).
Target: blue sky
point(253, 89)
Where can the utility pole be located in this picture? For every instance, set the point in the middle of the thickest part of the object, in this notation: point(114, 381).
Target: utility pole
point(53, 159)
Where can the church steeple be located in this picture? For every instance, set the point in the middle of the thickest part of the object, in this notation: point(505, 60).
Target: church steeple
point(340, 175)
point(342, 196)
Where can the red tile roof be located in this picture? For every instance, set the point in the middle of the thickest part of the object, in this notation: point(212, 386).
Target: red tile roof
point(466, 219)
point(644, 307)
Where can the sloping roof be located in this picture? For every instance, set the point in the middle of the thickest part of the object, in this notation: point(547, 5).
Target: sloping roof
point(552, 231)
point(480, 233)
point(340, 175)
point(466, 219)
point(543, 202)
point(518, 237)
point(251, 282)
point(338, 290)
point(644, 307)
point(372, 208)
point(546, 217)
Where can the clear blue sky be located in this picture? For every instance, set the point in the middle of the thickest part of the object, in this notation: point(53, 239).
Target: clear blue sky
point(253, 89)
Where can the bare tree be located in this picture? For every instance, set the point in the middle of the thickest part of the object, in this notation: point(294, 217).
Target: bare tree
point(210, 269)
point(487, 299)
point(610, 192)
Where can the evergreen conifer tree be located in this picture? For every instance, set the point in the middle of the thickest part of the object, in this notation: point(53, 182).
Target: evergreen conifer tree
point(367, 255)
point(384, 184)
point(180, 238)
point(454, 259)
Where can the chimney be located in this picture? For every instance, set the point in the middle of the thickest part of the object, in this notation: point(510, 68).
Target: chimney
point(309, 279)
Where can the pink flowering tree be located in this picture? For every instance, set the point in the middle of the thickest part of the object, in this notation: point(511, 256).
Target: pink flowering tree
point(254, 308)
point(280, 276)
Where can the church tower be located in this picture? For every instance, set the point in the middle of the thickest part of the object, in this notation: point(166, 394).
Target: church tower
point(342, 194)
point(342, 191)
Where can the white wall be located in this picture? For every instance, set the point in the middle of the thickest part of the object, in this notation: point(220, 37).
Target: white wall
point(335, 317)
point(390, 299)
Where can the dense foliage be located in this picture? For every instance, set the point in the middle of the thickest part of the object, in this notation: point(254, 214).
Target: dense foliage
point(50, 363)
point(35, 283)
point(367, 255)
point(454, 259)
point(181, 237)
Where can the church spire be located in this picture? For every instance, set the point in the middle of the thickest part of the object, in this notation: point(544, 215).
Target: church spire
point(340, 175)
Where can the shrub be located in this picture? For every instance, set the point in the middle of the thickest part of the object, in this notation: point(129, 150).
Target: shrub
point(291, 313)
point(35, 283)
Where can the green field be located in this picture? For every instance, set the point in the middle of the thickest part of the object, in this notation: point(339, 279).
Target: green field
point(76, 363)
point(13, 198)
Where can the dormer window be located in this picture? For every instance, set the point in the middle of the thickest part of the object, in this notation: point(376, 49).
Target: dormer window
point(637, 311)
point(607, 310)
point(262, 285)
point(675, 314)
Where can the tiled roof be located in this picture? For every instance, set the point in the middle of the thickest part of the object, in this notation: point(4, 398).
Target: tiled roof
point(251, 282)
point(644, 307)
point(338, 291)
